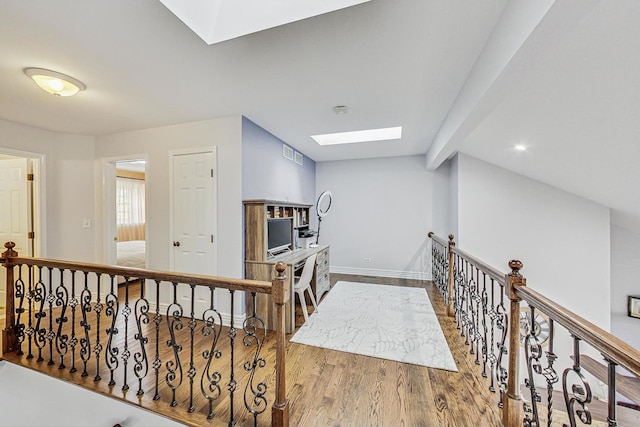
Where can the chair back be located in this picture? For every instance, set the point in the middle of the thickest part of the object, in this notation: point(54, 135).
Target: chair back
point(307, 271)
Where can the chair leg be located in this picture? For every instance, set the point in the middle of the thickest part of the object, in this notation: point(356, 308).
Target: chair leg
point(303, 304)
point(313, 299)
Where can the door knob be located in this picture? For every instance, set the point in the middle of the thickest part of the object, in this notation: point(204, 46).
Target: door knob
point(176, 244)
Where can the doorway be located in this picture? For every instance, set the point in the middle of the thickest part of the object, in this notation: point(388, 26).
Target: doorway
point(130, 213)
point(20, 207)
point(193, 220)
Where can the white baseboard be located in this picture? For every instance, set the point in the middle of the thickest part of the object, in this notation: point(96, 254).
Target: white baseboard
point(418, 275)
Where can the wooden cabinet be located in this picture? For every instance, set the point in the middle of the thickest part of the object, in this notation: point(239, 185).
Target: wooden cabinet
point(257, 214)
point(260, 264)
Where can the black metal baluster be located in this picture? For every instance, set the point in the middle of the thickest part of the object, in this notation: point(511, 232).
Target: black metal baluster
point(141, 367)
point(126, 312)
point(174, 367)
point(157, 363)
point(30, 297)
point(502, 323)
point(532, 354)
point(50, 333)
point(98, 307)
point(62, 300)
point(485, 313)
point(85, 308)
point(580, 392)
point(112, 308)
point(611, 393)
point(549, 373)
point(232, 380)
point(255, 334)
point(39, 297)
point(19, 294)
point(493, 315)
point(193, 322)
point(210, 381)
point(73, 303)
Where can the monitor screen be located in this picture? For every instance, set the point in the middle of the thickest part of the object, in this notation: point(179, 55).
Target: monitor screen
point(279, 234)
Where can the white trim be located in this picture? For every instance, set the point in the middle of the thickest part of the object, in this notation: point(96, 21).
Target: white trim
point(109, 227)
point(418, 275)
point(40, 190)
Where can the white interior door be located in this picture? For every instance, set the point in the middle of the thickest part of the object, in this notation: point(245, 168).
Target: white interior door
point(194, 240)
point(14, 210)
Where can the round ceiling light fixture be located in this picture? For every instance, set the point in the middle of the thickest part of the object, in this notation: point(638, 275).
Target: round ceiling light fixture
point(520, 147)
point(341, 109)
point(55, 83)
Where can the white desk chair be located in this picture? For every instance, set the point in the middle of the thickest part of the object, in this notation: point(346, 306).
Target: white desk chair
point(304, 284)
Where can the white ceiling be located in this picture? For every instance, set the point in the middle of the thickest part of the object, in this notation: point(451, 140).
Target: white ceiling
point(561, 76)
point(393, 62)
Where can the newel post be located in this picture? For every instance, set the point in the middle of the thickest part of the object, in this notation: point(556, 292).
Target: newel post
point(280, 294)
point(451, 279)
point(9, 342)
point(512, 403)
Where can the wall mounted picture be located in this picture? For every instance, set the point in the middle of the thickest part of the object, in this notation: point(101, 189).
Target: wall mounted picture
point(634, 306)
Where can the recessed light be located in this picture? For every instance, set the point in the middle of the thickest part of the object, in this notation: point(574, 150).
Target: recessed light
point(341, 109)
point(368, 135)
point(520, 147)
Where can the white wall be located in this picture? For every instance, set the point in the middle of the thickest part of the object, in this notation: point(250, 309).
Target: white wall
point(625, 280)
point(381, 210)
point(69, 191)
point(155, 144)
point(563, 240)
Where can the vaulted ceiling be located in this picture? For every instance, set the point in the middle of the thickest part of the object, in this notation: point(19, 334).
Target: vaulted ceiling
point(476, 77)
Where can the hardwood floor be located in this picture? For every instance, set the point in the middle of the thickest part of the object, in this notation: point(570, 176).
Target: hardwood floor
point(324, 387)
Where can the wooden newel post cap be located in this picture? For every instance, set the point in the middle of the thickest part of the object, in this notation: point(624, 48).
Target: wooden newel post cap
point(281, 268)
point(515, 266)
point(10, 252)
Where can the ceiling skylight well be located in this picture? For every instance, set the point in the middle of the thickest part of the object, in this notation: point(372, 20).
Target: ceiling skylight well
point(383, 134)
point(218, 20)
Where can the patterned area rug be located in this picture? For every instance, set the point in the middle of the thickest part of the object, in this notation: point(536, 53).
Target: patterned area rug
point(388, 322)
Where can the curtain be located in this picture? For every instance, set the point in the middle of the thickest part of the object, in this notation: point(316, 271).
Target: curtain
point(130, 215)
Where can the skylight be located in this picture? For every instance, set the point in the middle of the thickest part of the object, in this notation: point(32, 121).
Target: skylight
point(383, 134)
point(218, 20)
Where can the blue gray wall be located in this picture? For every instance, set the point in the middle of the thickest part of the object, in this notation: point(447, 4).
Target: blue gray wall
point(266, 174)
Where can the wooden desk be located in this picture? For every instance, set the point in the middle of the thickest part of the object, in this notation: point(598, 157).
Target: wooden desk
point(265, 270)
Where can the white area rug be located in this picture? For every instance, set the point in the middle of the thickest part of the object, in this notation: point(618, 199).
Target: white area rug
point(389, 322)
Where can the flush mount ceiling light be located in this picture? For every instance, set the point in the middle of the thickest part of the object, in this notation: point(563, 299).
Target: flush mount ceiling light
point(383, 134)
point(55, 83)
point(520, 147)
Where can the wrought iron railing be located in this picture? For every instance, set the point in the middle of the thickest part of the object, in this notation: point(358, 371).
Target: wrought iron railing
point(146, 334)
point(487, 310)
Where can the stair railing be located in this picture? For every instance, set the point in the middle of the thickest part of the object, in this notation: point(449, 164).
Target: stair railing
point(150, 337)
point(487, 310)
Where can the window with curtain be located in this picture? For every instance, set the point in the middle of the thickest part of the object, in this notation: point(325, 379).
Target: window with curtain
point(130, 215)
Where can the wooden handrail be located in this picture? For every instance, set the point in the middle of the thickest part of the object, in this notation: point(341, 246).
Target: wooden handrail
point(438, 239)
point(139, 273)
point(492, 272)
point(612, 348)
